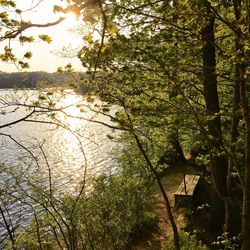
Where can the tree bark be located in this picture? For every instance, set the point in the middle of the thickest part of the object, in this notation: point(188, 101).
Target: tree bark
point(159, 183)
point(215, 142)
point(234, 136)
point(234, 128)
point(164, 194)
point(241, 75)
point(245, 226)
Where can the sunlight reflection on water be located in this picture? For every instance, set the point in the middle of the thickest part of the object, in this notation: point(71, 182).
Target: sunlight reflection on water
point(61, 145)
point(66, 160)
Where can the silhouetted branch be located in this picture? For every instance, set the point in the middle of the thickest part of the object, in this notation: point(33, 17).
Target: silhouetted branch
point(18, 120)
point(22, 146)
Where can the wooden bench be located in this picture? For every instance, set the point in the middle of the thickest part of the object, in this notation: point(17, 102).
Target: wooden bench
point(185, 191)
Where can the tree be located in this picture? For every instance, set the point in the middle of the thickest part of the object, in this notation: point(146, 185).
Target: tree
point(35, 109)
point(176, 77)
point(189, 55)
point(215, 139)
point(59, 219)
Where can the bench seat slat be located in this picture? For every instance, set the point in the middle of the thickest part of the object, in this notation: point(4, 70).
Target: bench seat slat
point(181, 194)
point(191, 182)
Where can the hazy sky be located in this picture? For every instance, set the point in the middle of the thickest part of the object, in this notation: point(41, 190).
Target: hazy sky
point(44, 54)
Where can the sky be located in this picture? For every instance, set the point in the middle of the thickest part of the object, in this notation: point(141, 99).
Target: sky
point(45, 56)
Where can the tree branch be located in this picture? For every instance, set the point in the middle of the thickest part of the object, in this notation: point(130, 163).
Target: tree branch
point(17, 121)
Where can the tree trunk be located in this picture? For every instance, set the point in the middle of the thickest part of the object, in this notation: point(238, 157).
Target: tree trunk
point(215, 143)
point(164, 194)
point(159, 183)
point(241, 57)
point(245, 226)
point(234, 134)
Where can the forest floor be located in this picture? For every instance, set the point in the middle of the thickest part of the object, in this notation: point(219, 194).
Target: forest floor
point(162, 235)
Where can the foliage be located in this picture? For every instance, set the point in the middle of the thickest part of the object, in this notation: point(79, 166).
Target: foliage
point(188, 242)
point(116, 209)
point(13, 27)
point(185, 79)
point(177, 79)
point(227, 242)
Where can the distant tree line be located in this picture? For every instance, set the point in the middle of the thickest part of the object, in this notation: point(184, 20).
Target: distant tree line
point(40, 79)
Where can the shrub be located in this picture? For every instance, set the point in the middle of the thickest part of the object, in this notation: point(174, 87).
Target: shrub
point(188, 242)
point(118, 207)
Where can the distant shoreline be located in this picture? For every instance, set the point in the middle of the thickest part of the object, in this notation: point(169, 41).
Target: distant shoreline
point(40, 79)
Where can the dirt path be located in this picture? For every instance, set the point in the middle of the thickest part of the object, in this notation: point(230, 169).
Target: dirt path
point(163, 235)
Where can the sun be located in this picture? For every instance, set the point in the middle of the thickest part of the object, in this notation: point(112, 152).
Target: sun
point(71, 20)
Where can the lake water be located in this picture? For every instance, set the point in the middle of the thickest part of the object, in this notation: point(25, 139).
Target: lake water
point(49, 151)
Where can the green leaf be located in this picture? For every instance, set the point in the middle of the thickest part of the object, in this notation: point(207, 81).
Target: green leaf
point(59, 70)
point(26, 39)
point(28, 55)
point(89, 38)
point(45, 38)
point(24, 65)
point(112, 29)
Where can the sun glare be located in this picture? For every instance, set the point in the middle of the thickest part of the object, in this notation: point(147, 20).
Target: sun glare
point(71, 19)
point(62, 35)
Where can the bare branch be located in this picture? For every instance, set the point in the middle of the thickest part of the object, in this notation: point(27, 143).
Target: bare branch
point(102, 39)
point(18, 120)
point(22, 146)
